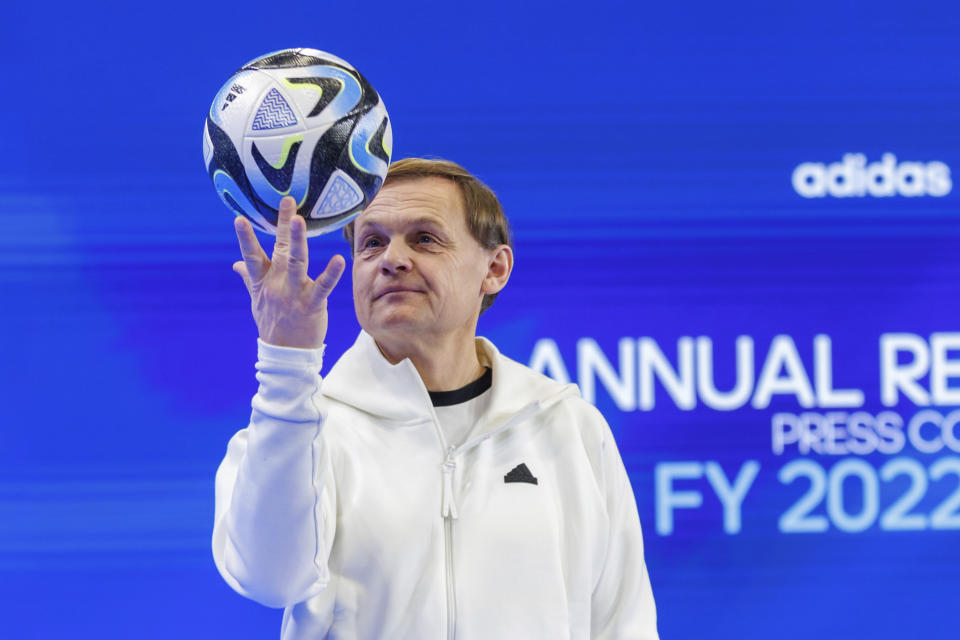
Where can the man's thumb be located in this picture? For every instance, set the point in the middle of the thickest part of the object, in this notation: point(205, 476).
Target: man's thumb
point(241, 269)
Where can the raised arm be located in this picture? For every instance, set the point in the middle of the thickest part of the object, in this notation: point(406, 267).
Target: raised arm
point(275, 497)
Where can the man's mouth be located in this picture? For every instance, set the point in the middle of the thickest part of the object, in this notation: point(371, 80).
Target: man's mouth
point(396, 290)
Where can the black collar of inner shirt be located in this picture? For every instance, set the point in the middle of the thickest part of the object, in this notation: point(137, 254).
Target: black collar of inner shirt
point(468, 392)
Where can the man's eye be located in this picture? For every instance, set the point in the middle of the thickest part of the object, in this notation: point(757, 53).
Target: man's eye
point(370, 243)
point(425, 238)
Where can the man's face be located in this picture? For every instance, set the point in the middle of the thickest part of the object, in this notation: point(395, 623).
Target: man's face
point(417, 271)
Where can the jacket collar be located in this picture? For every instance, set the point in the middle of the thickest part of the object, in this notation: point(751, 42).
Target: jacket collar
point(364, 379)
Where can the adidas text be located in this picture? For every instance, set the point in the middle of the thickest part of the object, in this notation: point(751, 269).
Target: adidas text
point(854, 178)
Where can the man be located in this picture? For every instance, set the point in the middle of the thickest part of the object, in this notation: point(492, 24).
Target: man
point(428, 487)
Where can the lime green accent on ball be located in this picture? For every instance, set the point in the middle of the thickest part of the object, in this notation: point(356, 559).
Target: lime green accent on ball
point(289, 142)
point(303, 85)
point(386, 145)
point(383, 143)
point(367, 147)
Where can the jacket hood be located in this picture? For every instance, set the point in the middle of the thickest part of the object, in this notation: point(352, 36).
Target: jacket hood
point(364, 379)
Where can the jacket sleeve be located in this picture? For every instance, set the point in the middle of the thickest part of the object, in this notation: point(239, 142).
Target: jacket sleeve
point(275, 499)
point(622, 607)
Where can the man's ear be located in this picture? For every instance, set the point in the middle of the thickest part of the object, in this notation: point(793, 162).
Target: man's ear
point(499, 267)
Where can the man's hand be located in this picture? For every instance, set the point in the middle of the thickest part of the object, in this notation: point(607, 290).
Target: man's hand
point(289, 308)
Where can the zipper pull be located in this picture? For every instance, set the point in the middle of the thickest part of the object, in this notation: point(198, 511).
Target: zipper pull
point(449, 508)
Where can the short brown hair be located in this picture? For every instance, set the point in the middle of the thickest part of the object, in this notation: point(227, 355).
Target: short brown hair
point(485, 218)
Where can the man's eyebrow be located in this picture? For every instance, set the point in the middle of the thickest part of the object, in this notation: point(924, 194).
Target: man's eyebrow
point(433, 220)
point(421, 220)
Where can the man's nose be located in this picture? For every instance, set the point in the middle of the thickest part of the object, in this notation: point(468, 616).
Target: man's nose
point(396, 257)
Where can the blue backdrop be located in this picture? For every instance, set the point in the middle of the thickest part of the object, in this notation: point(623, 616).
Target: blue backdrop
point(736, 229)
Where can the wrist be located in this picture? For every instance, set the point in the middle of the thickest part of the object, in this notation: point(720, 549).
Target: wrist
point(307, 356)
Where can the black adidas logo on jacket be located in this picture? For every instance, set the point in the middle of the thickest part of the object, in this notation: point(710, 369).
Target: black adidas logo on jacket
point(520, 473)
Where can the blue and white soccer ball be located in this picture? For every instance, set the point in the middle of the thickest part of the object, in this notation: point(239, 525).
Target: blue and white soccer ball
point(298, 122)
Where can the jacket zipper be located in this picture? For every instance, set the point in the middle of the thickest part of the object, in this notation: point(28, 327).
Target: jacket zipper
point(449, 514)
point(449, 503)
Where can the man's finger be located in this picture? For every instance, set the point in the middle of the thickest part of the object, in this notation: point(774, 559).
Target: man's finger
point(288, 209)
point(327, 280)
point(253, 254)
point(297, 260)
point(240, 268)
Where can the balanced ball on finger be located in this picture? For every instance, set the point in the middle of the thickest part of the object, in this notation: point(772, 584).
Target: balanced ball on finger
point(303, 123)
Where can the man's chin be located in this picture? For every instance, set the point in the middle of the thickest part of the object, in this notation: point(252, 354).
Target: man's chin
point(397, 320)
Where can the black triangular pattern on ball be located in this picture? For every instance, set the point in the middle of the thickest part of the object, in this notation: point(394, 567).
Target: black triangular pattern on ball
point(337, 137)
point(290, 58)
point(331, 142)
point(370, 183)
point(376, 142)
point(225, 155)
point(330, 89)
point(280, 178)
point(370, 96)
point(227, 159)
point(293, 58)
point(367, 182)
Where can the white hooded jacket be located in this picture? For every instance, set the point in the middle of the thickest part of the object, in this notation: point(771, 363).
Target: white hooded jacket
point(342, 503)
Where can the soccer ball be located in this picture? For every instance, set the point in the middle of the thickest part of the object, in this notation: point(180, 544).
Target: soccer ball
point(303, 123)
